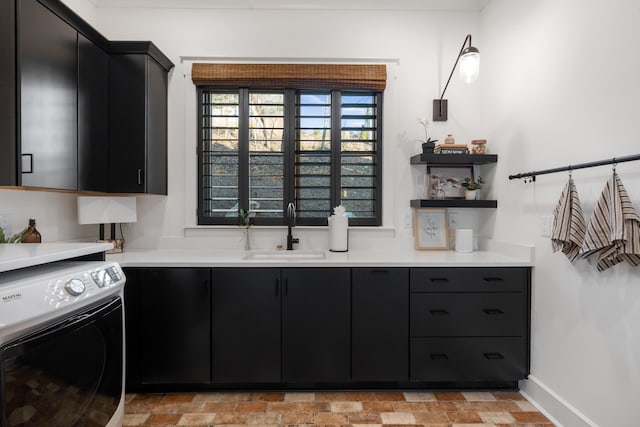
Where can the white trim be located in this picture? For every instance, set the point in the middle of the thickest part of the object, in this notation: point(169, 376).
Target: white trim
point(287, 60)
point(191, 137)
point(549, 402)
point(341, 5)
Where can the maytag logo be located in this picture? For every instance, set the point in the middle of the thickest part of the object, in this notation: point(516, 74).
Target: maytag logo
point(11, 297)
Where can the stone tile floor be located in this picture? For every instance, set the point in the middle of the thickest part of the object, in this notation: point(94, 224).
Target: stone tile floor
point(433, 409)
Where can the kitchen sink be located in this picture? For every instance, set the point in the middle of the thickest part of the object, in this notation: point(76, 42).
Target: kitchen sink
point(295, 255)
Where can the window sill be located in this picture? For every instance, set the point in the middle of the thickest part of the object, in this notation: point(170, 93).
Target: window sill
point(200, 230)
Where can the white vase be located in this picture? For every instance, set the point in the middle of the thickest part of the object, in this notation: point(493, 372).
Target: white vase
point(470, 194)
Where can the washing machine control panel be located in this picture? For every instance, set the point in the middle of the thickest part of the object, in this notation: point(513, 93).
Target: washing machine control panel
point(75, 287)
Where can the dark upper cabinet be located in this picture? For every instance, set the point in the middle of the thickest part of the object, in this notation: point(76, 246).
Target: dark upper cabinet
point(93, 116)
point(168, 323)
point(48, 76)
point(8, 162)
point(55, 104)
point(246, 325)
point(316, 325)
point(380, 324)
point(137, 123)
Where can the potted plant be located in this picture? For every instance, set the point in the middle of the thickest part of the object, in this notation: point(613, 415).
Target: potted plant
point(428, 144)
point(472, 187)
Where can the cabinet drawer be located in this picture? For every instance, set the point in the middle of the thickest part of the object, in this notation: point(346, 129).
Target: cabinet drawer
point(468, 279)
point(468, 359)
point(468, 314)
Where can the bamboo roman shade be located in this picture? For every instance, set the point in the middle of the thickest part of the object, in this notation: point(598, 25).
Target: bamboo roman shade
point(295, 76)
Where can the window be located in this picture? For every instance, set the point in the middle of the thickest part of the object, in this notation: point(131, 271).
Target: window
point(261, 148)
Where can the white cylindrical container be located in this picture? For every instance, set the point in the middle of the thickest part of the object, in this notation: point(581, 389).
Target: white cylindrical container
point(338, 233)
point(464, 240)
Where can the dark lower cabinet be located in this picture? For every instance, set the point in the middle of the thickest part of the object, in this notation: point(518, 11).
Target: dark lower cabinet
point(168, 324)
point(316, 325)
point(469, 325)
point(468, 359)
point(246, 325)
point(380, 324)
point(238, 328)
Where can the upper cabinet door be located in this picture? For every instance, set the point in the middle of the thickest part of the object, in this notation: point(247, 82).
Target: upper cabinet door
point(156, 177)
point(137, 124)
point(127, 123)
point(93, 116)
point(48, 70)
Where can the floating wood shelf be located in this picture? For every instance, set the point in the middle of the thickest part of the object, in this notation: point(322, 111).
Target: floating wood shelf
point(453, 203)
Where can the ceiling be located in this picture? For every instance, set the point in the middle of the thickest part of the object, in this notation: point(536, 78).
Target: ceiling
point(436, 5)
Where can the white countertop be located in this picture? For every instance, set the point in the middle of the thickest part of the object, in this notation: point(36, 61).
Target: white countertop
point(353, 258)
point(14, 256)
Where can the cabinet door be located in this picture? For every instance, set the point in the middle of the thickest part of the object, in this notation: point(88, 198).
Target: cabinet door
point(93, 116)
point(48, 72)
point(168, 324)
point(380, 324)
point(156, 161)
point(8, 166)
point(317, 325)
point(246, 325)
point(127, 122)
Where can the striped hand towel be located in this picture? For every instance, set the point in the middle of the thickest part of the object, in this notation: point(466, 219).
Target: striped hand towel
point(568, 223)
point(613, 232)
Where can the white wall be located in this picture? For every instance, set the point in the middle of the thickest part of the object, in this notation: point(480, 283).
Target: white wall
point(561, 87)
point(418, 47)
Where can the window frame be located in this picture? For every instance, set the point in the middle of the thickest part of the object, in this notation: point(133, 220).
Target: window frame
point(289, 155)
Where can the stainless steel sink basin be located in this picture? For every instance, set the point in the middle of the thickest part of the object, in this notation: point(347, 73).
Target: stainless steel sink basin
point(296, 255)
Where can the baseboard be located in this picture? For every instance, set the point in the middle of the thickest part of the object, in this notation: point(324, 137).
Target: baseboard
point(559, 411)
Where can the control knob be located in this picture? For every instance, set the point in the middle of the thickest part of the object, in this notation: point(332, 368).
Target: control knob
point(75, 287)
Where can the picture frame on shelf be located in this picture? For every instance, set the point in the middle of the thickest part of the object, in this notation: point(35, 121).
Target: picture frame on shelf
point(430, 228)
point(450, 178)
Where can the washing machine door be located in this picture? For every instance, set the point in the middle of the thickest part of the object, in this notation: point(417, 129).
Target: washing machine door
point(67, 374)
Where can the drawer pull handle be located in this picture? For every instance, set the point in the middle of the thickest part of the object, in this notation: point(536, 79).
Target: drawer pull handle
point(277, 287)
point(493, 279)
point(438, 312)
point(438, 279)
point(492, 311)
point(438, 356)
point(379, 271)
point(493, 356)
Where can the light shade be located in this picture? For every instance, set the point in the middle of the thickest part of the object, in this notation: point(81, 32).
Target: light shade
point(469, 59)
point(106, 210)
point(470, 65)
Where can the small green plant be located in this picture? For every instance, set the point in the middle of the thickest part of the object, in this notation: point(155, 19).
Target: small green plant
point(244, 217)
point(16, 238)
point(471, 185)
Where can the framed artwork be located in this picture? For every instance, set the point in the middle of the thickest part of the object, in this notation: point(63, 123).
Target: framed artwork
point(430, 228)
point(449, 179)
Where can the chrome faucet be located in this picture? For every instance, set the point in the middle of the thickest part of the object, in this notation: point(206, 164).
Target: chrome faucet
point(291, 216)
